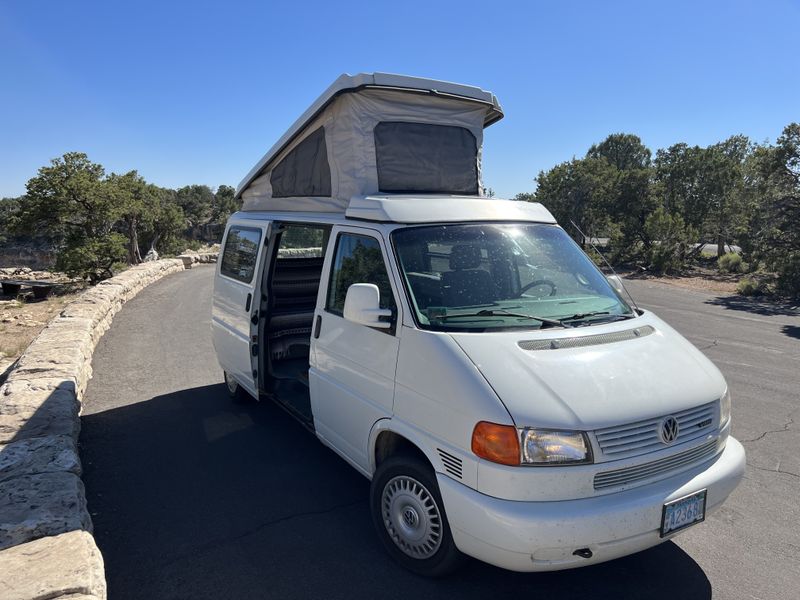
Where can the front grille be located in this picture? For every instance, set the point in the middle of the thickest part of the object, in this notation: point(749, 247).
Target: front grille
point(452, 464)
point(664, 467)
point(643, 436)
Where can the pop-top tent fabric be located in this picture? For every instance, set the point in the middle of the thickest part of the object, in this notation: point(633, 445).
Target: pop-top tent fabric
point(375, 133)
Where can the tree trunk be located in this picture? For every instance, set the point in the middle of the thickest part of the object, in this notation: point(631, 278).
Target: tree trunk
point(720, 245)
point(134, 255)
point(154, 242)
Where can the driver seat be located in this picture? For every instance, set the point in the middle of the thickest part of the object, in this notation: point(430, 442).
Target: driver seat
point(466, 284)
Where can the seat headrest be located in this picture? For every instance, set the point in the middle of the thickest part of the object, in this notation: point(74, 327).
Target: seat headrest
point(465, 256)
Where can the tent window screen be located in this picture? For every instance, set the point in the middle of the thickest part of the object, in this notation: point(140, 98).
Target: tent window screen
point(305, 170)
point(421, 157)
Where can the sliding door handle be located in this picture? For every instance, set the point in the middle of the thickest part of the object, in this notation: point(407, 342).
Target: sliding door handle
point(247, 303)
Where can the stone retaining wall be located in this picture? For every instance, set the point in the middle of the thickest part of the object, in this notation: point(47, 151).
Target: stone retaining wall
point(46, 547)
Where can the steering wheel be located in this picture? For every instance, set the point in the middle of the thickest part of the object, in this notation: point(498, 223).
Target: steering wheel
point(538, 282)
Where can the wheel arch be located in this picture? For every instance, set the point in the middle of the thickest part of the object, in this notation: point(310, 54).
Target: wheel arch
point(389, 436)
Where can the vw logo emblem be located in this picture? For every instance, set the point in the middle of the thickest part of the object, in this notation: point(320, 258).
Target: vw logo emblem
point(669, 430)
point(410, 517)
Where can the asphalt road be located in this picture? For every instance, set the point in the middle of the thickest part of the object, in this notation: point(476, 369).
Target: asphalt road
point(195, 497)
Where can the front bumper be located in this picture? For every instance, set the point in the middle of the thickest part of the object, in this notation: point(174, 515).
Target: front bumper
point(542, 536)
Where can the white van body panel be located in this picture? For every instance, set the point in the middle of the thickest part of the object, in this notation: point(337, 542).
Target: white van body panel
point(231, 312)
point(597, 385)
point(440, 392)
point(352, 370)
point(542, 536)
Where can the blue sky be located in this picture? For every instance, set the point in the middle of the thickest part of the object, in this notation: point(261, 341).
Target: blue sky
point(196, 92)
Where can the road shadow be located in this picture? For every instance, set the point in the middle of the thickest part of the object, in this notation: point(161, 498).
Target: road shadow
point(193, 496)
point(758, 307)
point(791, 331)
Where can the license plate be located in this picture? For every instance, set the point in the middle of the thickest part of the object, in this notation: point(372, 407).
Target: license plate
point(683, 512)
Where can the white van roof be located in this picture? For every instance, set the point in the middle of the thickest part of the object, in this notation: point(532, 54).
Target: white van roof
point(444, 209)
point(329, 154)
point(417, 209)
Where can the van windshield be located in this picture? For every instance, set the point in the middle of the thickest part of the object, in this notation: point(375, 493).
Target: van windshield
point(500, 276)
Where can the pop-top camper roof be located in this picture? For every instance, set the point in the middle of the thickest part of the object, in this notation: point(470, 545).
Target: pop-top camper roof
point(375, 133)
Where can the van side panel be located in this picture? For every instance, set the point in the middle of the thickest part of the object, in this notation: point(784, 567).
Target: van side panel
point(352, 370)
point(232, 305)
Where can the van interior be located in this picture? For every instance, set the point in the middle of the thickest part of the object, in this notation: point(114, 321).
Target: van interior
point(290, 284)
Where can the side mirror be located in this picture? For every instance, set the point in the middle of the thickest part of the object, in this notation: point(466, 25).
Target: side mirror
point(362, 305)
point(616, 283)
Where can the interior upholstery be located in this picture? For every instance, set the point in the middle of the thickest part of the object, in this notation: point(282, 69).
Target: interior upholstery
point(466, 284)
point(295, 283)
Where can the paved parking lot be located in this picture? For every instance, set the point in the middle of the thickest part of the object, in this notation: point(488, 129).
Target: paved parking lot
point(195, 497)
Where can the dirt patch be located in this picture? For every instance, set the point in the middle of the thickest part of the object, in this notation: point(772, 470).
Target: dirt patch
point(704, 280)
point(702, 284)
point(22, 320)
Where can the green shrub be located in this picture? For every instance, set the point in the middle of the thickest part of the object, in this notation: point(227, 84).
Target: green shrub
point(748, 287)
point(189, 244)
point(671, 237)
point(597, 259)
point(788, 281)
point(93, 258)
point(730, 263)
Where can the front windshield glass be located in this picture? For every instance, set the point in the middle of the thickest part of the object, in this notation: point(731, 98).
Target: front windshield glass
point(498, 276)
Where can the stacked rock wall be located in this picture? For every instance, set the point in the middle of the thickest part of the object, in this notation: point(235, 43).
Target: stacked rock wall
point(46, 546)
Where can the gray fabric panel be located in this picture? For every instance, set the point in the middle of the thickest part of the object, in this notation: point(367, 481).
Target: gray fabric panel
point(422, 157)
point(305, 170)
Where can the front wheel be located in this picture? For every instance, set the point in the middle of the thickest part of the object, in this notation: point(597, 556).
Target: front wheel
point(409, 517)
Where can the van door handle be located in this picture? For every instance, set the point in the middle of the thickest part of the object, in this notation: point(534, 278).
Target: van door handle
point(247, 303)
point(317, 326)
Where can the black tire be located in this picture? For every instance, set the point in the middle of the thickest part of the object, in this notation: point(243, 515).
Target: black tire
point(397, 471)
point(236, 392)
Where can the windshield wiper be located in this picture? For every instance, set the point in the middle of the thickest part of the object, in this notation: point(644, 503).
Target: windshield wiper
point(581, 316)
point(503, 313)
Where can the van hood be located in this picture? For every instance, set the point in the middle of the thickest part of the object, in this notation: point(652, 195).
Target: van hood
point(596, 376)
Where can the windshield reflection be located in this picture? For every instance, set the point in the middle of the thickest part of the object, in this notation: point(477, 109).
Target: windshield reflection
point(495, 276)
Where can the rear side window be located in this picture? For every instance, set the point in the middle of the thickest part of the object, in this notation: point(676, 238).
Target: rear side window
point(304, 241)
point(241, 251)
point(358, 259)
point(422, 157)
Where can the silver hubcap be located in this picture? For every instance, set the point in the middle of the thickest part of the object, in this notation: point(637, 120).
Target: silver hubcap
point(231, 383)
point(411, 517)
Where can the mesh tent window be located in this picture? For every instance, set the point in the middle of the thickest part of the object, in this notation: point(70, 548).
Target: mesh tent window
point(423, 157)
point(305, 170)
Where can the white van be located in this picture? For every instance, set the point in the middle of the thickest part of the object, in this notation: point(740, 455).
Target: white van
point(461, 352)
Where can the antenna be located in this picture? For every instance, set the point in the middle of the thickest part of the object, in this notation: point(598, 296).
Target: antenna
point(608, 264)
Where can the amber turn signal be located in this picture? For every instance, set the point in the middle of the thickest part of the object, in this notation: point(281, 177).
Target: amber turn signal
point(497, 443)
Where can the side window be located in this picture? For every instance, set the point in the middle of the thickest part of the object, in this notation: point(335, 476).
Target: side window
point(358, 259)
point(304, 241)
point(305, 170)
point(241, 251)
point(423, 157)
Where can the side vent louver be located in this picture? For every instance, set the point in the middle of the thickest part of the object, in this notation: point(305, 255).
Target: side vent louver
point(452, 464)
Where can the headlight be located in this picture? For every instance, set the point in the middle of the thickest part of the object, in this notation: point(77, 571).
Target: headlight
point(725, 408)
point(507, 445)
point(541, 446)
